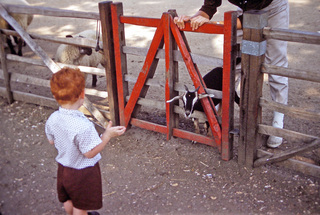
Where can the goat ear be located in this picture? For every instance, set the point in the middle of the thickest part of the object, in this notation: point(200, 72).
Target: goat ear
point(201, 96)
point(174, 98)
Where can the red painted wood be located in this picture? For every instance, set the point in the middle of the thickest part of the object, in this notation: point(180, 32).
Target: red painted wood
point(143, 75)
point(226, 88)
point(198, 81)
point(168, 54)
point(208, 28)
point(163, 33)
point(176, 132)
point(148, 125)
point(117, 55)
point(194, 137)
point(148, 22)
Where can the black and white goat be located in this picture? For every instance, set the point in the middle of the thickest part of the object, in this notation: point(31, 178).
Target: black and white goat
point(191, 99)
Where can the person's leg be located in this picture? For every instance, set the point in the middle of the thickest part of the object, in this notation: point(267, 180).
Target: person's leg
point(276, 55)
point(77, 211)
point(68, 207)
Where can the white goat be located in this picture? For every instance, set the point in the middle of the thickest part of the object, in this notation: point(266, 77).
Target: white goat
point(82, 56)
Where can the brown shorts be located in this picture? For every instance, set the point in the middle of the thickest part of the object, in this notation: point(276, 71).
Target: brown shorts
point(83, 187)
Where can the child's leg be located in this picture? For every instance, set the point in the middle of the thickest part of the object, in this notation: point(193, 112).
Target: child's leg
point(77, 211)
point(68, 206)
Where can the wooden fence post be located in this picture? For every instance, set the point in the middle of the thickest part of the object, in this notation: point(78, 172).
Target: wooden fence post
point(229, 61)
point(108, 49)
point(253, 51)
point(6, 74)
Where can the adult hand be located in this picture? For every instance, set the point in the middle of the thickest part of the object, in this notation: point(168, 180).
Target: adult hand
point(197, 21)
point(179, 21)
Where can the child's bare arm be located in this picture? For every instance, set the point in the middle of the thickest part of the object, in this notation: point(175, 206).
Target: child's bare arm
point(106, 136)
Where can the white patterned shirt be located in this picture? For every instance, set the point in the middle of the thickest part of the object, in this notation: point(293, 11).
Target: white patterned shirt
point(73, 135)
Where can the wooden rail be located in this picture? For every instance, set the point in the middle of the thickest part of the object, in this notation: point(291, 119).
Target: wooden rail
point(45, 60)
point(252, 101)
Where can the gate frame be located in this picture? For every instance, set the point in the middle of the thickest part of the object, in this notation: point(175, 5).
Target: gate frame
point(168, 38)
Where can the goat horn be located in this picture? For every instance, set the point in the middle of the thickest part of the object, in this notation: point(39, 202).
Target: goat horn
point(174, 98)
point(201, 96)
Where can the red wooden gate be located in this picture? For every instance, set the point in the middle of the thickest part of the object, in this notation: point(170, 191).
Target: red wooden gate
point(169, 37)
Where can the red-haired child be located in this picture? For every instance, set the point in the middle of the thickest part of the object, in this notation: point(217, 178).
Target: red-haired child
point(78, 144)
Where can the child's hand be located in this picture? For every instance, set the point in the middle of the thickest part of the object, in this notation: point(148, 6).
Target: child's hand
point(113, 131)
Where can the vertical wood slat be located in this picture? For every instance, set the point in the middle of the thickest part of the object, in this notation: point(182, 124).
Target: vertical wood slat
point(107, 38)
point(120, 58)
point(228, 86)
point(6, 74)
point(175, 72)
point(170, 76)
point(252, 81)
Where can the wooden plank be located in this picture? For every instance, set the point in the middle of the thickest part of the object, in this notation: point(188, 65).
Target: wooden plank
point(176, 132)
point(148, 125)
point(208, 28)
point(228, 86)
point(287, 154)
point(147, 71)
point(196, 58)
point(26, 79)
point(195, 137)
point(177, 86)
point(120, 59)
point(38, 62)
point(296, 165)
point(292, 35)
point(5, 72)
point(289, 135)
point(110, 67)
point(48, 11)
point(170, 75)
point(291, 73)
point(77, 41)
point(196, 78)
point(142, 21)
point(39, 100)
point(295, 112)
point(37, 49)
point(161, 106)
point(31, 98)
point(48, 61)
point(252, 82)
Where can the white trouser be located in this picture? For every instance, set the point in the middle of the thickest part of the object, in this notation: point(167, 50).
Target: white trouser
point(276, 53)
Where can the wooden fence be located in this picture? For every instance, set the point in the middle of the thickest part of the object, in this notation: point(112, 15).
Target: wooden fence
point(10, 77)
point(252, 102)
point(165, 43)
point(115, 53)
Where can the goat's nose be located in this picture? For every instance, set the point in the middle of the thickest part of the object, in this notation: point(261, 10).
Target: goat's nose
point(187, 113)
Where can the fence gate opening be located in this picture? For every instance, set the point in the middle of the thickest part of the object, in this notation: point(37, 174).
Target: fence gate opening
point(166, 41)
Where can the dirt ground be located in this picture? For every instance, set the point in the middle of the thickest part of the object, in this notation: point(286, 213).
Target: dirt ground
point(142, 172)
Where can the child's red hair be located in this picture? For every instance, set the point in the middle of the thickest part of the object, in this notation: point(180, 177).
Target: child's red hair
point(67, 85)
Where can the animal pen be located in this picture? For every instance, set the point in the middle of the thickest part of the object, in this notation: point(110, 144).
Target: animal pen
point(170, 44)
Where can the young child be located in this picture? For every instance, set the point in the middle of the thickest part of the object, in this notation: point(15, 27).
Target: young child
point(78, 143)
